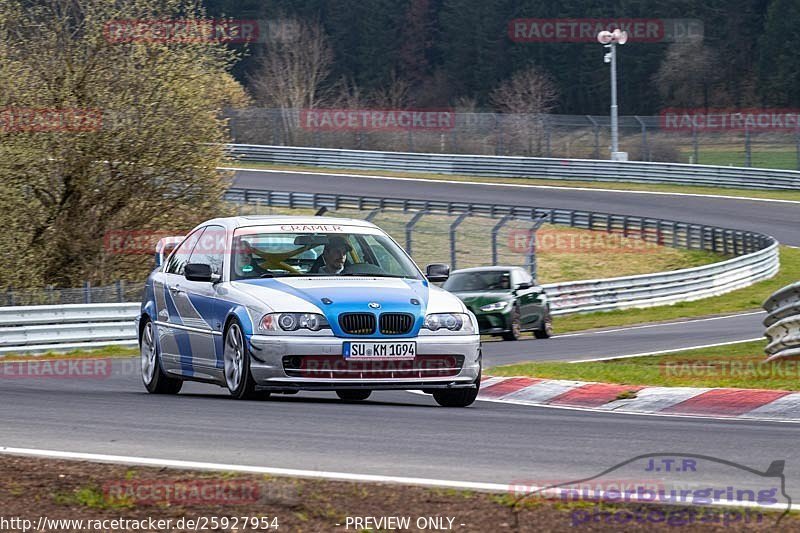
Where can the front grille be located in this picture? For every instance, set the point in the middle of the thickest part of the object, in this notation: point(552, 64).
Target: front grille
point(357, 323)
point(396, 323)
point(337, 367)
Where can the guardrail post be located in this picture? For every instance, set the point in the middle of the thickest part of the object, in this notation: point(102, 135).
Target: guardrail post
point(453, 228)
point(797, 145)
point(87, 292)
point(120, 290)
point(747, 148)
point(10, 296)
point(695, 145)
point(495, 231)
point(645, 147)
point(596, 130)
point(410, 228)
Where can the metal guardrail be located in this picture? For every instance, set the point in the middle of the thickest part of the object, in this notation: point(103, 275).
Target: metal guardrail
point(522, 167)
point(40, 328)
point(783, 322)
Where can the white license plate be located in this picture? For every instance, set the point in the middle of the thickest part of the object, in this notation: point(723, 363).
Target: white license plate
point(379, 350)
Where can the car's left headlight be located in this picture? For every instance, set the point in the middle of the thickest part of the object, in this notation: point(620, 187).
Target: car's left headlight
point(496, 306)
point(451, 322)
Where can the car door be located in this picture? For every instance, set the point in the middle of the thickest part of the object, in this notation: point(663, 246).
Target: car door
point(526, 298)
point(202, 310)
point(169, 301)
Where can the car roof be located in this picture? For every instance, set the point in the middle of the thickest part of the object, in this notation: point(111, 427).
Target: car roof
point(486, 268)
point(265, 220)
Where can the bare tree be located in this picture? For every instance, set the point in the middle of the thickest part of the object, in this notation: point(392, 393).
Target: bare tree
point(292, 72)
point(525, 98)
point(688, 75)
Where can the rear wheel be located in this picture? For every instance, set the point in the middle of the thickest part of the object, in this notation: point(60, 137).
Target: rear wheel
point(546, 330)
point(515, 328)
point(236, 365)
point(353, 395)
point(457, 397)
point(153, 377)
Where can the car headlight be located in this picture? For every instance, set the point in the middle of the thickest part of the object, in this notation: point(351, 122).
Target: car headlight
point(293, 322)
point(496, 306)
point(449, 321)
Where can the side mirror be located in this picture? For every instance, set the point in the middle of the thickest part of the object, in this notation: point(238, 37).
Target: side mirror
point(437, 272)
point(524, 286)
point(199, 272)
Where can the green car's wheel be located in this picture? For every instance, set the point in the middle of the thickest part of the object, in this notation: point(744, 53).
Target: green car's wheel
point(515, 328)
point(546, 331)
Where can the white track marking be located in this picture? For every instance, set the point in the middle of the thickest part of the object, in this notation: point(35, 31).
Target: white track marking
point(657, 324)
point(522, 185)
point(660, 352)
point(338, 476)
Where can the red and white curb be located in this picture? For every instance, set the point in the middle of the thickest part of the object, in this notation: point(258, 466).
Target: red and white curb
point(754, 404)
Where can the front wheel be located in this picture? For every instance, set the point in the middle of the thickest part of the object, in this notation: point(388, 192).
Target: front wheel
point(515, 327)
point(236, 365)
point(153, 377)
point(546, 331)
point(353, 395)
point(457, 397)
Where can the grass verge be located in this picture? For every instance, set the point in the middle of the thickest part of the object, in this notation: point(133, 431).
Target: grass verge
point(739, 365)
point(179, 499)
point(530, 180)
point(108, 351)
point(747, 299)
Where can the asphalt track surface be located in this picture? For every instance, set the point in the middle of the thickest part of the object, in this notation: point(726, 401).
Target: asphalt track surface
point(398, 433)
point(781, 220)
point(393, 433)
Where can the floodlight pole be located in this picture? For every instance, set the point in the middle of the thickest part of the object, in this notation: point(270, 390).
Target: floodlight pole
point(614, 108)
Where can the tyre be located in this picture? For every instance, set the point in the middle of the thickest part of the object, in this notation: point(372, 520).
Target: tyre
point(236, 365)
point(514, 328)
point(457, 397)
point(153, 376)
point(546, 331)
point(353, 395)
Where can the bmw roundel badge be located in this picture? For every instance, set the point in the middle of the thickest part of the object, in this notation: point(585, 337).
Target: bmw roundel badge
point(374, 305)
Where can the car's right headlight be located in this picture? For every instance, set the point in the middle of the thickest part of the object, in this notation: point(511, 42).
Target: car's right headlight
point(277, 322)
point(452, 322)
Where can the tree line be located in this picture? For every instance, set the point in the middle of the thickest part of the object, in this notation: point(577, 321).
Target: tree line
point(443, 52)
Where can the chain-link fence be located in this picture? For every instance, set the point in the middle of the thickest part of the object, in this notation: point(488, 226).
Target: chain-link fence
point(644, 138)
point(118, 292)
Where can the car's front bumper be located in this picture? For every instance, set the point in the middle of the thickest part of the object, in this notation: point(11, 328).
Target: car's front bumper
point(270, 371)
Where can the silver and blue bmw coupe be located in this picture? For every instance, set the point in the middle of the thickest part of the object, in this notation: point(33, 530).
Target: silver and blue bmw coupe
point(283, 304)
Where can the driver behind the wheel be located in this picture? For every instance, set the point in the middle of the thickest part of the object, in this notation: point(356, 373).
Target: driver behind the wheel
point(333, 258)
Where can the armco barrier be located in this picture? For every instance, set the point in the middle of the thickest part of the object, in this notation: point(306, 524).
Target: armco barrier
point(39, 328)
point(516, 167)
point(783, 322)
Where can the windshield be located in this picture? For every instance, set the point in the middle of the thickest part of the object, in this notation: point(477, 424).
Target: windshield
point(487, 280)
point(264, 253)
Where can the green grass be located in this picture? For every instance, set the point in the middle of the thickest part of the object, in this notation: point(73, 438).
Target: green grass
point(749, 298)
point(739, 365)
point(528, 180)
point(109, 351)
point(781, 159)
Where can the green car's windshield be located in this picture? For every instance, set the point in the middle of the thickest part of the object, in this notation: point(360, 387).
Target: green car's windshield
point(265, 253)
point(486, 280)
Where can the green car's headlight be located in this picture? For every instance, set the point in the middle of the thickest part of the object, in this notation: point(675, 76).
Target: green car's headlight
point(496, 306)
point(450, 321)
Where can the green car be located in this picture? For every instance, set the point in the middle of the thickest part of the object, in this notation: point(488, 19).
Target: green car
point(504, 299)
